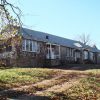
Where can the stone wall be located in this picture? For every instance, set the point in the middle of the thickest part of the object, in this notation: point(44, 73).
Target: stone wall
point(33, 59)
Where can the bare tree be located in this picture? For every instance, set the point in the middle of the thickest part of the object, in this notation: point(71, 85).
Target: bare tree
point(84, 38)
point(3, 6)
point(6, 20)
point(9, 27)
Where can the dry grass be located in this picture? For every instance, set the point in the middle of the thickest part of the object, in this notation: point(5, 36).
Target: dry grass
point(55, 84)
point(16, 77)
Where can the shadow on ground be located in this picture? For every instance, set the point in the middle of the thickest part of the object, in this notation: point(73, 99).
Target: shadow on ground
point(20, 95)
point(80, 67)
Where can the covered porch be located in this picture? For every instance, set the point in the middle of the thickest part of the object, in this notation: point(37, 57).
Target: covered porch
point(53, 54)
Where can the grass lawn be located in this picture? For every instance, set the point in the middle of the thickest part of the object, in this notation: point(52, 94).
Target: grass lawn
point(56, 84)
point(16, 77)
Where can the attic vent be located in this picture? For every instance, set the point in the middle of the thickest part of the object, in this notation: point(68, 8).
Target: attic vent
point(47, 37)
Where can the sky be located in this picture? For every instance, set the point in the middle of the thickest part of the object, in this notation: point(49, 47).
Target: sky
point(65, 18)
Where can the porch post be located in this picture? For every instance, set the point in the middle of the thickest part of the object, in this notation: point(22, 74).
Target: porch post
point(50, 51)
point(82, 56)
point(59, 52)
point(89, 56)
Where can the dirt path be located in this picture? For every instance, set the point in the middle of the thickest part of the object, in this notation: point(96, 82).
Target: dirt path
point(41, 95)
point(56, 84)
point(55, 88)
point(61, 87)
point(58, 88)
point(32, 85)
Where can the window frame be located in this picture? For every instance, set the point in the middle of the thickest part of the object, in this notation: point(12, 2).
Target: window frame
point(34, 45)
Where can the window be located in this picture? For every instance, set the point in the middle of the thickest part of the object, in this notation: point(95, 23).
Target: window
point(85, 55)
point(34, 46)
point(29, 45)
point(91, 55)
point(24, 45)
point(68, 52)
point(71, 52)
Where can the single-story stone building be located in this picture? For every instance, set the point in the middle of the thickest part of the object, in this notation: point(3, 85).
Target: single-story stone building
point(39, 49)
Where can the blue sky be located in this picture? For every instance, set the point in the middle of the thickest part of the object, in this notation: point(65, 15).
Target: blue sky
point(65, 18)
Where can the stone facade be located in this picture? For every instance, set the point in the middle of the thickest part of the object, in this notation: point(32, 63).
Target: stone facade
point(46, 53)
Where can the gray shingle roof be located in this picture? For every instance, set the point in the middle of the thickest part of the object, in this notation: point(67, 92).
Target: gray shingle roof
point(45, 37)
point(92, 49)
point(41, 36)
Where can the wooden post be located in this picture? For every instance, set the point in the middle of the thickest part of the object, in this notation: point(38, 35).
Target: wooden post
point(82, 55)
point(50, 51)
point(59, 52)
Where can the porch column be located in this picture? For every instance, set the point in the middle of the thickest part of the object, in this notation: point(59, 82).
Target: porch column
point(50, 51)
point(59, 52)
point(89, 58)
point(82, 56)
